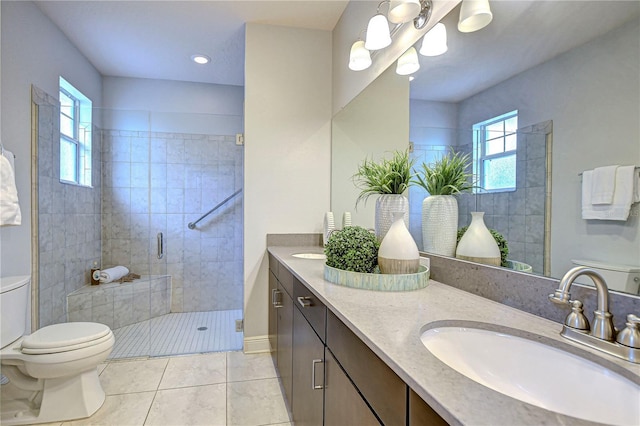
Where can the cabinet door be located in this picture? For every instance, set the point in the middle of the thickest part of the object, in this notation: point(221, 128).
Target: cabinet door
point(308, 373)
point(421, 414)
point(275, 300)
point(285, 341)
point(343, 405)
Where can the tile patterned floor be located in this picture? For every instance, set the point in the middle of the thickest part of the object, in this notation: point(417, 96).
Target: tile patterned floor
point(178, 334)
point(224, 388)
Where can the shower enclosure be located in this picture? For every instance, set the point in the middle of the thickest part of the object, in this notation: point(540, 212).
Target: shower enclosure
point(153, 173)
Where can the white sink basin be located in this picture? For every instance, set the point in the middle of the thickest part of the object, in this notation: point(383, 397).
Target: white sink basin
point(536, 373)
point(309, 255)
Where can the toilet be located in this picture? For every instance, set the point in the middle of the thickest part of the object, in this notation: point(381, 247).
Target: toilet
point(624, 278)
point(53, 371)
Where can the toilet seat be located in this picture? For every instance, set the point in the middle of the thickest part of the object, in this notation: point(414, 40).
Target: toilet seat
point(65, 337)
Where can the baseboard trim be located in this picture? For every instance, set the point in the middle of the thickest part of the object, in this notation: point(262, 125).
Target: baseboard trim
point(257, 344)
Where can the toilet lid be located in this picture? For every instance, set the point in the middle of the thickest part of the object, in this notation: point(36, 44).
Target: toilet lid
point(64, 337)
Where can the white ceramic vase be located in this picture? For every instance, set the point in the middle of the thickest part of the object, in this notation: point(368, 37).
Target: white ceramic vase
point(386, 205)
point(440, 224)
point(398, 253)
point(477, 244)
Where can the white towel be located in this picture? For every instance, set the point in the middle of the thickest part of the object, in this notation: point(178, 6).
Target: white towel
point(9, 205)
point(112, 274)
point(622, 198)
point(603, 184)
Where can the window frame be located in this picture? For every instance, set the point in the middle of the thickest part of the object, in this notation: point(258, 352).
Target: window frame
point(480, 142)
point(80, 120)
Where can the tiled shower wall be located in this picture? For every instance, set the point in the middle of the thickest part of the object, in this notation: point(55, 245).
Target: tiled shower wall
point(159, 182)
point(68, 233)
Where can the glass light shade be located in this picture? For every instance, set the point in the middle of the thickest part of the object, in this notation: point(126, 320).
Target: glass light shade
point(360, 58)
point(474, 15)
point(408, 62)
point(378, 35)
point(401, 11)
point(434, 42)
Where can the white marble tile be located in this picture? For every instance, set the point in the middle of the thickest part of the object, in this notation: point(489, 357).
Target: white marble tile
point(241, 367)
point(195, 371)
point(255, 402)
point(122, 410)
point(133, 376)
point(200, 405)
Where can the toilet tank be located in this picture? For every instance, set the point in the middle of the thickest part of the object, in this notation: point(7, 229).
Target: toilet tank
point(14, 308)
point(625, 278)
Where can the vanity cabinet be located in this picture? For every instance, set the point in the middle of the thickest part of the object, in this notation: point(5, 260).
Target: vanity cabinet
point(309, 318)
point(343, 403)
point(281, 323)
point(328, 374)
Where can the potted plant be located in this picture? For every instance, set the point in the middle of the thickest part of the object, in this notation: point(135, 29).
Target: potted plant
point(443, 179)
point(389, 178)
point(352, 249)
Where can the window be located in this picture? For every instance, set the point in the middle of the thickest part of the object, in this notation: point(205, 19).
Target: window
point(75, 135)
point(495, 142)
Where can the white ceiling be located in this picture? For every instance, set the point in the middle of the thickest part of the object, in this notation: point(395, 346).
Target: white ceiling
point(155, 39)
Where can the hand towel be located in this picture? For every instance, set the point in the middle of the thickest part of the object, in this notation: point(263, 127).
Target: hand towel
point(112, 274)
point(603, 184)
point(622, 198)
point(9, 205)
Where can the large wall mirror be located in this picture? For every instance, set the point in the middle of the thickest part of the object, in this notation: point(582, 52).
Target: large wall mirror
point(570, 69)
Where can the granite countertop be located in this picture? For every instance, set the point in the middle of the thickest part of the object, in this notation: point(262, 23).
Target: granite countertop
point(391, 323)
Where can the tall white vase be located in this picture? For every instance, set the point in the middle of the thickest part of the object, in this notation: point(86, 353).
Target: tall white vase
point(440, 224)
point(477, 244)
point(386, 205)
point(398, 253)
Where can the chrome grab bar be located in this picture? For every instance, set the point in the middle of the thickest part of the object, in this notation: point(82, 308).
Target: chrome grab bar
point(192, 225)
point(160, 245)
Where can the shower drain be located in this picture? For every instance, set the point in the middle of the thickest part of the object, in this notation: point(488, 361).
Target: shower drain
point(202, 328)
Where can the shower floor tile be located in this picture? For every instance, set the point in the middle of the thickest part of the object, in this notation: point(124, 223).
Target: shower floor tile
point(178, 334)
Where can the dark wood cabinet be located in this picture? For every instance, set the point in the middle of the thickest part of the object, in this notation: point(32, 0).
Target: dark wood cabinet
point(343, 404)
point(385, 392)
point(285, 341)
point(421, 414)
point(328, 374)
point(308, 373)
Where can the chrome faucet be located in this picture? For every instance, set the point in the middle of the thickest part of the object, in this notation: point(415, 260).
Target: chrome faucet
point(602, 335)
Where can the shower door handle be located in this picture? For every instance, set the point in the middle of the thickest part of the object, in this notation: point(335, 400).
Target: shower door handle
point(160, 245)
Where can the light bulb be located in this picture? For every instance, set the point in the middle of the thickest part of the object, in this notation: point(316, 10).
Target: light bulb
point(408, 63)
point(434, 42)
point(359, 58)
point(378, 36)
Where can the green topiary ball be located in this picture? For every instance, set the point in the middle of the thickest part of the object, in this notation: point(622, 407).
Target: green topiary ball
point(353, 249)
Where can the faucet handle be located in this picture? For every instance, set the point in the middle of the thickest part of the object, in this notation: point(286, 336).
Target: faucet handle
point(576, 319)
point(630, 336)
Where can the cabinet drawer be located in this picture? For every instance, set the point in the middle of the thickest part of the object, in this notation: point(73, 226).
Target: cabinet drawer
point(313, 310)
point(286, 279)
point(380, 386)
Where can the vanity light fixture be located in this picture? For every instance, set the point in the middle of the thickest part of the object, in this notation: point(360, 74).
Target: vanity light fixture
point(401, 11)
point(200, 59)
point(378, 35)
point(408, 63)
point(474, 15)
point(434, 42)
point(360, 57)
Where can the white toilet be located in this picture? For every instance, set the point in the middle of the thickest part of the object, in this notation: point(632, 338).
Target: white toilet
point(624, 278)
point(54, 369)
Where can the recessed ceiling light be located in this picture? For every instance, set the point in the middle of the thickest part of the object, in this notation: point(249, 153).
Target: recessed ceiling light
point(200, 59)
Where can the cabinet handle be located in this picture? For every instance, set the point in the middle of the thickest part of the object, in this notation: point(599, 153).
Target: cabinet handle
point(313, 374)
point(276, 298)
point(305, 302)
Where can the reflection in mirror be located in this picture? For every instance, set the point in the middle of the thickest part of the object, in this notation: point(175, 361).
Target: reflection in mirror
point(576, 64)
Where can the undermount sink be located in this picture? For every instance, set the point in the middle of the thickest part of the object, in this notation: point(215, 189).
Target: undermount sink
point(309, 255)
point(536, 373)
